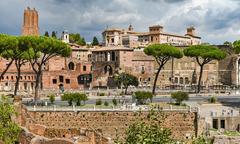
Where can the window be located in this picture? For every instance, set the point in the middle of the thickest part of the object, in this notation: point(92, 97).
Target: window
point(89, 57)
point(186, 80)
point(12, 77)
point(176, 80)
point(223, 124)
point(113, 56)
point(71, 66)
point(54, 81)
point(61, 78)
point(215, 123)
point(181, 80)
point(84, 68)
point(143, 70)
point(68, 81)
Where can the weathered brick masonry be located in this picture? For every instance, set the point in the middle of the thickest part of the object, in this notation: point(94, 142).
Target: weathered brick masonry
point(182, 124)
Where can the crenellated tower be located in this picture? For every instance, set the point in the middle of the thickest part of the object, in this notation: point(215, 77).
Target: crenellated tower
point(30, 22)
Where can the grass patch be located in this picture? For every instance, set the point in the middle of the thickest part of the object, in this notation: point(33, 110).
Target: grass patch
point(231, 133)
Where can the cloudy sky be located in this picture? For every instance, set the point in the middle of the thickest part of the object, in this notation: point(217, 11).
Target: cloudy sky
point(216, 21)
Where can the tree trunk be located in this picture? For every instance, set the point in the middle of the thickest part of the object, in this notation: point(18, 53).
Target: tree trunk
point(3, 73)
point(18, 66)
point(199, 79)
point(155, 80)
point(38, 76)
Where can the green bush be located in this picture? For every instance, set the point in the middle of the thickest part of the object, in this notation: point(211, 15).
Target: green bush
point(105, 103)
point(98, 102)
point(101, 94)
point(202, 140)
point(142, 96)
point(213, 99)
point(179, 97)
point(67, 97)
point(74, 97)
point(52, 98)
point(114, 101)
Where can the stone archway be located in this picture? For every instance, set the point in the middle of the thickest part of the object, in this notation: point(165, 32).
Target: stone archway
point(71, 66)
point(108, 70)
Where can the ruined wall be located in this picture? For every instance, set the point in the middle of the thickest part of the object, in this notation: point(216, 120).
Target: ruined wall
point(73, 136)
point(182, 124)
point(226, 139)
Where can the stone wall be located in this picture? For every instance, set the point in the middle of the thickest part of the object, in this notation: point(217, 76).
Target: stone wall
point(226, 139)
point(54, 136)
point(182, 124)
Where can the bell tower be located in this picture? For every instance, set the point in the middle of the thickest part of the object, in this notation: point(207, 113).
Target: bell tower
point(30, 22)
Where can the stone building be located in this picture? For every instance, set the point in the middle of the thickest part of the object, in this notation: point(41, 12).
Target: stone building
point(73, 72)
point(132, 39)
point(107, 61)
point(114, 60)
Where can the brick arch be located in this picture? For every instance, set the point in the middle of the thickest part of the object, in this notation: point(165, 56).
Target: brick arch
point(108, 69)
point(71, 66)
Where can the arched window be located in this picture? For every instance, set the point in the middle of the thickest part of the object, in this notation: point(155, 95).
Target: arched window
point(84, 68)
point(181, 80)
point(186, 80)
point(71, 66)
point(108, 70)
point(176, 80)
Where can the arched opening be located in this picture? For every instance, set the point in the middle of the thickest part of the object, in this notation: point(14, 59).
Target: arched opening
point(181, 80)
point(84, 68)
point(61, 87)
point(71, 66)
point(108, 70)
point(176, 80)
point(186, 80)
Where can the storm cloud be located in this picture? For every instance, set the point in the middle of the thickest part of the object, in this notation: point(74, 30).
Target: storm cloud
point(215, 21)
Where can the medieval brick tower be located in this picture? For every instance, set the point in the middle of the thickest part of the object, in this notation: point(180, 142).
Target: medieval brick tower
point(30, 22)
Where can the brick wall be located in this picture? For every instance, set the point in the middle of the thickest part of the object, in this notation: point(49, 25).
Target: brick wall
point(180, 123)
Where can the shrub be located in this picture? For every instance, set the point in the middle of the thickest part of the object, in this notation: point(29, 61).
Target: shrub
point(52, 98)
point(114, 101)
point(101, 94)
point(213, 99)
point(67, 97)
point(179, 97)
point(142, 96)
point(74, 97)
point(98, 102)
point(105, 103)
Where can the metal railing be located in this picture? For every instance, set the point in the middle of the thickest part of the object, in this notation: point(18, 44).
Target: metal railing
point(117, 108)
